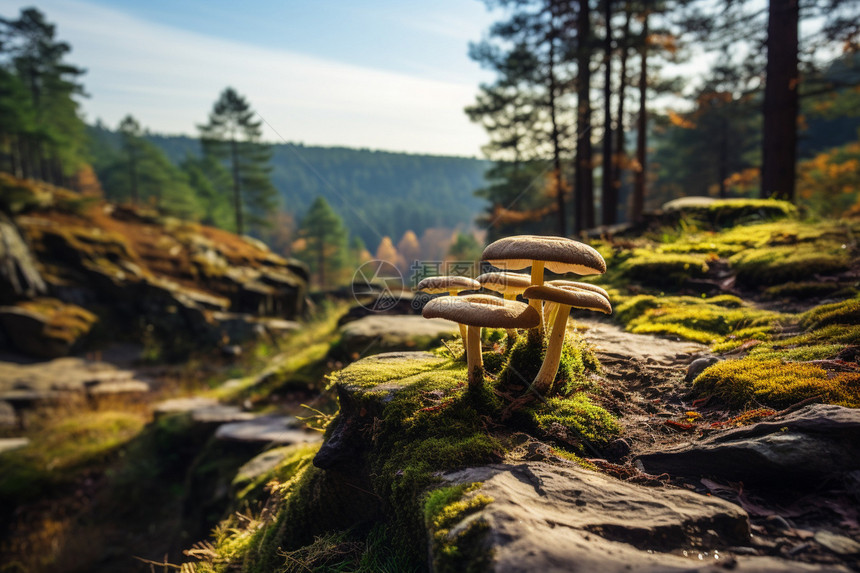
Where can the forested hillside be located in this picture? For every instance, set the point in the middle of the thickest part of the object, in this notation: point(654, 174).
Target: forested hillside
point(377, 193)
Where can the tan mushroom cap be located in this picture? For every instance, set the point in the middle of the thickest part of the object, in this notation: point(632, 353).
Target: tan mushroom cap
point(560, 254)
point(569, 297)
point(446, 284)
point(482, 310)
point(505, 283)
point(583, 286)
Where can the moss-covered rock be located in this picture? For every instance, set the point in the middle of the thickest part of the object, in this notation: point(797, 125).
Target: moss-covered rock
point(46, 327)
point(663, 269)
point(775, 383)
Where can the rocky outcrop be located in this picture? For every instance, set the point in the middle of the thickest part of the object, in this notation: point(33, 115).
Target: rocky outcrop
point(374, 334)
point(562, 519)
point(178, 280)
point(815, 443)
point(45, 328)
point(19, 275)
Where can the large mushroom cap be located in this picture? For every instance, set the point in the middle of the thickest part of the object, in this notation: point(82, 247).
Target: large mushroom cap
point(561, 255)
point(581, 286)
point(482, 310)
point(570, 297)
point(436, 285)
point(513, 283)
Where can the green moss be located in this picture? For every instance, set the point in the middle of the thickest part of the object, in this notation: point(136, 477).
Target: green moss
point(60, 447)
point(461, 549)
point(833, 333)
point(731, 212)
point(705, 320)
point(526, 357)
point(799, 354)
point(804, 289)
point(655, 268)
point(779, 264)
point(776, 383)
point(844, 312)
point(587, 422)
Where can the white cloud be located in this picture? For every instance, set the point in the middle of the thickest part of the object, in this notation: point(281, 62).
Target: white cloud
point(168, 78)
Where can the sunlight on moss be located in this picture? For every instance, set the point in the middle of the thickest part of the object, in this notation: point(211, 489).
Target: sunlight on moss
point(655, 268)
point(586, 420)
point(776, 383)
point(459, 550)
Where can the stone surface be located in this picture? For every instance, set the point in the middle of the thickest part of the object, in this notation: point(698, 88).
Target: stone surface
point(19, 275)
point(8, 417)
point(698, 366)
point(377, 333)
point(838, 544)
point(267, 430)
point(183, 405)
point(566, 519)
point(45, 327)
point(261, 464)
point(9, 444)
point(816, 442)
point(220, 414)
point(125, 387)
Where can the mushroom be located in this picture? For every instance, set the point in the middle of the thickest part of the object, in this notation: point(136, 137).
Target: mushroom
point(582, 286)
point(557, 254)
point(451, 285)
point(509, 285)
point(565, 298)
point(477, 311)
point(576, 285)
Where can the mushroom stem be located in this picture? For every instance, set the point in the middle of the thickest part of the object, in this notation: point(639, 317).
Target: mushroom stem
point(511, 332)
point(537, 279)
point(543, 381)
point(453, 292)
point(474, 358)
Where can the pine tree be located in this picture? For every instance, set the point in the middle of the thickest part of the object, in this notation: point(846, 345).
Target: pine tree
point(324, 240)
point(50, 141)
point(130, 132)
point(233, 136)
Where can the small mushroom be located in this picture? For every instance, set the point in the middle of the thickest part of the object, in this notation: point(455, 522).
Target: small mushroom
point(509, 285)
point(451, 285)
point(576, 285)
point(557, 254)
point(477, 311)
point(565, 298)
point(579, 285)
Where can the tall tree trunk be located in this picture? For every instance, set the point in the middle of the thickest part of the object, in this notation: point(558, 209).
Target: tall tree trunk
point(584, 173)
point(556, 147)
point(723, 168)
point(237, 188)
point(609, 198)
point(132, 175)
point(620, 157)
point(638, 204)
point(779, 145)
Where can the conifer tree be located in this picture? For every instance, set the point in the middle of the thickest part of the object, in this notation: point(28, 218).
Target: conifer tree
point(49, 141)
point(233, 136)
point(324, 239)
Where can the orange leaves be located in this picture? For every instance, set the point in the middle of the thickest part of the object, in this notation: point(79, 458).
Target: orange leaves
point(679, 120)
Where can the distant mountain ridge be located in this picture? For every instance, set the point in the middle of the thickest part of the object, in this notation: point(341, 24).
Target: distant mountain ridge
point(377, 193)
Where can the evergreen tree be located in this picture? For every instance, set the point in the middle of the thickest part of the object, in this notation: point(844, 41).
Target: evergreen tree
point(324, 239)
point(142, 173)
point(233, 136)
point(212, 186)
point(130, 131)
point(50, 140)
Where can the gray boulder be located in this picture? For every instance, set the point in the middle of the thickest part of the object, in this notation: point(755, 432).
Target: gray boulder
point(566, 519)
point(377, 333)
point(816, 442)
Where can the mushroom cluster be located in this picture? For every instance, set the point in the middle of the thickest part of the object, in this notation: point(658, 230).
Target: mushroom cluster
point(554, 299)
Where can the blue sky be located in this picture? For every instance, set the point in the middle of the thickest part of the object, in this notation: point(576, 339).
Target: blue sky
point(386, 74)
